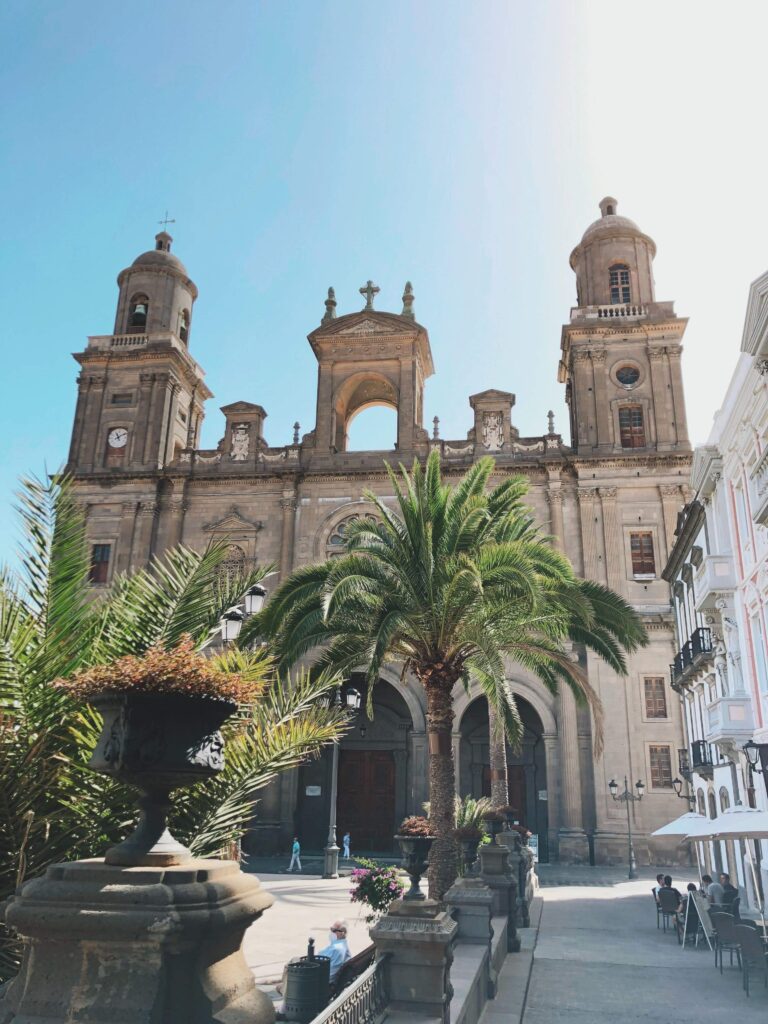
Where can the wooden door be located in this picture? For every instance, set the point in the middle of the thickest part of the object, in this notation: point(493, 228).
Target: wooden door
point(366, 802)
point(517, 794)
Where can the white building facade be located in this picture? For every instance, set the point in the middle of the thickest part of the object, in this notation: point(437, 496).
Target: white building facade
point(718, 572)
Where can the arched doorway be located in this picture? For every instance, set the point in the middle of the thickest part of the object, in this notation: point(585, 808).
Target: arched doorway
point(526, 767)
point(374, 778)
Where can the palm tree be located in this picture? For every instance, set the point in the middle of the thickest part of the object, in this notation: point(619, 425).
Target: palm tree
point(52, 806)
point(449, 585)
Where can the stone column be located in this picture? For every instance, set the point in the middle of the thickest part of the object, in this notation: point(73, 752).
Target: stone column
point(572, 840)
point(92, 447)
point(107, 943)
point(555, 499)
point(143, 536)
point(584, 396)
point(128, 522)
point(678, 396)
point(661, 409)
point(603, 410)
point(419, 939)
point(671, 502)
point(324, 439)
point(586, 498)
point(288, 504)
point(614, 562)
point(406, 405)
point(138, 443)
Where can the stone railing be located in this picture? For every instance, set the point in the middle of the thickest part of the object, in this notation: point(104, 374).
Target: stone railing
point(108, 342)
point(612, 312)
point(362, 1002)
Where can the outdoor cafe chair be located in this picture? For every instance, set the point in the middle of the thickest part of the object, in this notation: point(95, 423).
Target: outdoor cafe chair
point(667, 907)
point(753, 954)
point(725, 938)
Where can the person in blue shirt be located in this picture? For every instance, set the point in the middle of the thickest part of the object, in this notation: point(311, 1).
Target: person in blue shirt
point(346, 841)
point(337, 949)
point(295, 854)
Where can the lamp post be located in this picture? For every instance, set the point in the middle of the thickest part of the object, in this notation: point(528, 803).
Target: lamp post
point(349, 698)
point(757, 755)
point(677, 785)
point(628, 797)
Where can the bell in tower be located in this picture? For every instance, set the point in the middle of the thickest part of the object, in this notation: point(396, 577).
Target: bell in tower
point(621, 349)
point(156, 294)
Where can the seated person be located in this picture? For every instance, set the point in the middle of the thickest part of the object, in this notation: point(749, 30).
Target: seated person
point(730, 893)
point(655, 889)
point(670, 888)
point(338, 948)
point(712, 890)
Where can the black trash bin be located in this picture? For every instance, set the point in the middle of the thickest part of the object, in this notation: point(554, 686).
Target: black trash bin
point(307, 986)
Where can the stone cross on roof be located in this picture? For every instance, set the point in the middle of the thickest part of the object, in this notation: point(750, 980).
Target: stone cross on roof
point(369, 291)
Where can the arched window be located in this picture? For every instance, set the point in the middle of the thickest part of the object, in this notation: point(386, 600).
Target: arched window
point(619, 279)
point(632, 426)
point(337, 544)
point(700, 801)
point(233, 564)
point(725, 800)
point(138, 313)
point(184, 325)
point(712, 806)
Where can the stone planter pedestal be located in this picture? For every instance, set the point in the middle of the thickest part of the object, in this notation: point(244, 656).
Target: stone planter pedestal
point(419, 938)
point(496, 874)
point(469, 901)
point(136, 945)
point(521, 868)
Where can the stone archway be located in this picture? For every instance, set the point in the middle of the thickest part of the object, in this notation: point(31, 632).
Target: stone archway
point(375, 782)
point(361, 391)
point(527, 767)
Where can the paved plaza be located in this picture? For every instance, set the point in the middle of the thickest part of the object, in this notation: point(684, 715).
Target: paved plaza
point(596, 958)
point(599, 958)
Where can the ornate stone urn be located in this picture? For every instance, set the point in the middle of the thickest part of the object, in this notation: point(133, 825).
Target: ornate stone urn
point(469, 854)
point(495, 825)
point(415, 850)
point(157, 743)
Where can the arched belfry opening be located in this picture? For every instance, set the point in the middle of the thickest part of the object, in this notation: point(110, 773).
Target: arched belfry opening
point(364, 390)
point(369, 359)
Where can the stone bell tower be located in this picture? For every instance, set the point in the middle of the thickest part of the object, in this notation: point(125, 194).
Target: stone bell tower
point(140, 393)
point(365, 359)
point(620, 351)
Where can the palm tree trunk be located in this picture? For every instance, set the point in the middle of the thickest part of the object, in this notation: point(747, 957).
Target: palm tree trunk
point(498, 758)
point(443, 861)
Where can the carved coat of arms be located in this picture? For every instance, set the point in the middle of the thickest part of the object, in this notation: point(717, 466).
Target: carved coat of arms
point(240, 442)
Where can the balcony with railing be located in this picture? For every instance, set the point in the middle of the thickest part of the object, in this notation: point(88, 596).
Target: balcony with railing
point(714, 576)
point(759, 490)
point(696, 654)
point(701, 758)
point(621, 311)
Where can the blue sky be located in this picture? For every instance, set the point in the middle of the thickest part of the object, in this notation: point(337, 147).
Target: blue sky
point(462, 146)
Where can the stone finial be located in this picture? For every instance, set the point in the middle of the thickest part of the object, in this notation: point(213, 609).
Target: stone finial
point(369, 291)
point(436, 428)
point(330, 306)
point(296, 429)
point(408, 298)
point(550, 422)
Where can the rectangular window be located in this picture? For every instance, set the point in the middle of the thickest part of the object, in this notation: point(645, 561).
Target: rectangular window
point(122, 398)
point(643, 560)
point(655, 697)
point(631, 426)
point(100, 562)
point(661, 767)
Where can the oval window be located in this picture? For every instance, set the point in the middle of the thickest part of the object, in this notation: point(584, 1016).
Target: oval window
point(628, 376)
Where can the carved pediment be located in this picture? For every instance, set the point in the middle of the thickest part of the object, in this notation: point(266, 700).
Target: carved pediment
point(368, 327)
point(367, 322)
point(242, 408)
point(492, 395)
point(753, 339)
point(232, 522)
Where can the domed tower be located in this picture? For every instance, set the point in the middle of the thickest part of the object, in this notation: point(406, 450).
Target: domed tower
point(621, 350)
point(156, 293)
point(140, 393)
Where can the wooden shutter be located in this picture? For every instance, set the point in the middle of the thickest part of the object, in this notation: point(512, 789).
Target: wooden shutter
point(643, 559)
point(632, 426)
point(661, 767)
point(655, 697)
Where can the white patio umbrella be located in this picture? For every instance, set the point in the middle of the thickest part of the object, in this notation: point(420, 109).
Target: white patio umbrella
point(681, 826)
point(736, 823)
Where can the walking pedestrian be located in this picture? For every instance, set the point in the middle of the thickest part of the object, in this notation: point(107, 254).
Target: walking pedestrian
point(295, 854)
point(346, 840)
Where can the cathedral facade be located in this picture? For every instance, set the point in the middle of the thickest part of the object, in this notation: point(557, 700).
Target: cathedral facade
point(609, 494)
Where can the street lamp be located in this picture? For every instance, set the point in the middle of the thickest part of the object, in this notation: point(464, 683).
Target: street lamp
point(254, 599)
point(231, 624)
point(754, 755)
point(677, 785)
point(628, 797)
point(350, 698)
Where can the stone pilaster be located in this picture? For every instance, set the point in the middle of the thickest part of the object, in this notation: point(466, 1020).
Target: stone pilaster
point(602, 408)
point(671, 502)
point(678, 396)
point(662, 406)
point(586, 497)
point(288, 504)
point(614, 561)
